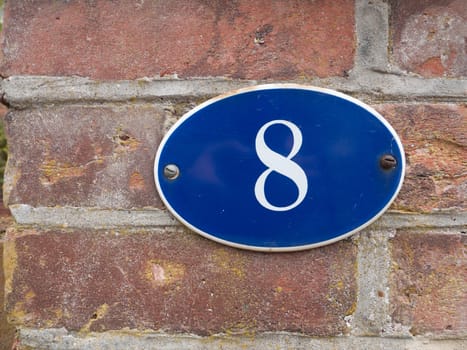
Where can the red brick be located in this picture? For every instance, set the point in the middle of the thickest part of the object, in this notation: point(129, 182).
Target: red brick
point(429, 282)
point(175, 281)
point(429, 36)
point(7, 331)
point(435, 143)
point(84, 156)
point(130, 39)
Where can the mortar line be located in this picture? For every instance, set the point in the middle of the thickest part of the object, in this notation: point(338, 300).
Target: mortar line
point(87, 217)
point(54, 338)
point(372, 45)
point(372, 315)
point(23, 92)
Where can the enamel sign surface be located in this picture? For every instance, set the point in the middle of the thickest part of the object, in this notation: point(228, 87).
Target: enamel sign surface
point(279, 167)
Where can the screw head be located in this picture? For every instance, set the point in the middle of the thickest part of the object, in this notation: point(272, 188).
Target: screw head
point(171, 171)
point(388, 161)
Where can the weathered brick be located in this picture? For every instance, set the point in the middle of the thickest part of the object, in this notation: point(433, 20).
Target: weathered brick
point(175, 281)
point(7, 331)
point(84, 156)
point(429, 282)
point(239, 39)
point(435, 143)
point(429, 36)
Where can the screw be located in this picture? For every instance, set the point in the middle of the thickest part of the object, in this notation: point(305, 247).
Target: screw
point(171, 171)
point(388, 161)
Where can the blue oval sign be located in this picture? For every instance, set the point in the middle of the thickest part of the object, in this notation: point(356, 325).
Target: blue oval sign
point(279, 167)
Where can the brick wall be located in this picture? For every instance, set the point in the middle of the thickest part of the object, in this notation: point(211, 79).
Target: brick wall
point(95, 261)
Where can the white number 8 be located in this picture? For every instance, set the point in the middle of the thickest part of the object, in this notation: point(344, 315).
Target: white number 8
point(283, 165)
